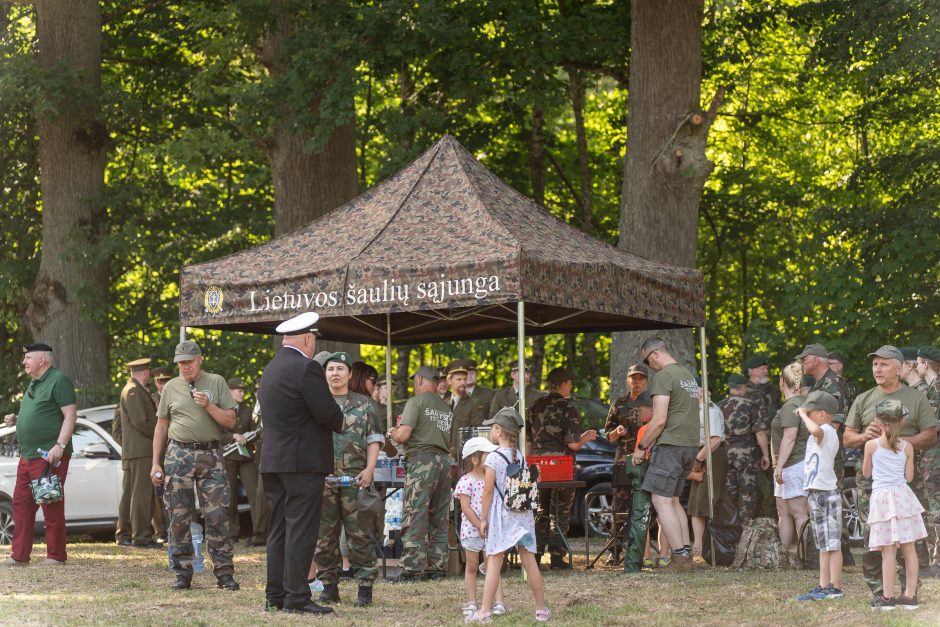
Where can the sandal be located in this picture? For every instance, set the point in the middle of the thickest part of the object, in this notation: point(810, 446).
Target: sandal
point(543, 616)
point(649, 562)
point(468, 608)
point(479, 617)
point(499, 609)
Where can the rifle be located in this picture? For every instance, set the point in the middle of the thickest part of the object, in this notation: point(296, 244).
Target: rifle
point(250, 437)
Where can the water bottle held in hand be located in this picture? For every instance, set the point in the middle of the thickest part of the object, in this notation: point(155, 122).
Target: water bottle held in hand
point(45, 455)
point(341, 481)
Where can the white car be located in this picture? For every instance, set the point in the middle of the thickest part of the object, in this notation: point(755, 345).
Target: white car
point(94, 482)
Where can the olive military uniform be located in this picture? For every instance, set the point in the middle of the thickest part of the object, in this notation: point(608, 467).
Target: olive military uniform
point(743, 419)
point(241, 470)
point(509, 397)
point(137, 413)
point(469, 411)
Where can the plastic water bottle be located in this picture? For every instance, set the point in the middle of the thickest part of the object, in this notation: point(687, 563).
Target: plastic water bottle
point(342, 481)
point(199, 563)
point(45, 455)
point(316, 586)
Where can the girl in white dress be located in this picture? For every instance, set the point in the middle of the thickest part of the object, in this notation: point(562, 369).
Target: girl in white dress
point(503, 528)
point(894, 513)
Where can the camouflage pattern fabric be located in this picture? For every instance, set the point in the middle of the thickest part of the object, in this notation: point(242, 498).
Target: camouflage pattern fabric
point(340, 510)
point(186, 469)
point(742, 482)
point(760, 547)
point(640, 508)
point(930, 468)
point(557, 502)
point(768, 395)
point(554, 424)
point(361, 426)
point(624, 412)
point(424, 518)
point(838, 387)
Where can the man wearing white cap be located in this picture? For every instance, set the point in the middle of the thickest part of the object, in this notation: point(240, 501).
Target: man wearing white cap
point(300, 418)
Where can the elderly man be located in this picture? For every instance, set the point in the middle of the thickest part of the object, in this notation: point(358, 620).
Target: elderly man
point(44, 426)
point(815, 361)
point(194, 409)
point(555, 429)
point(674, 429)
point(919, 429)
point(746, 434)
point(469, 411)
point(509, 396)
point(759, 386)
point(425, 433)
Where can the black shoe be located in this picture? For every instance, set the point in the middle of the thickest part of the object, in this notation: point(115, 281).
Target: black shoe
point(437, 575)
point(183, 582)
point(227, 582)
point(309, 608)
point(559, 563)
point(250, 543)
point(346, 573)
point(330, 593)
point(365, 596)
point(273, 605)
point(150, 544)
point(124, 542)
point(880, 603)
point(408, 577)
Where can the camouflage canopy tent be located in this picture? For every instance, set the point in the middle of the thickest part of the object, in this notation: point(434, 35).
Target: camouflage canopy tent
point(442, 250)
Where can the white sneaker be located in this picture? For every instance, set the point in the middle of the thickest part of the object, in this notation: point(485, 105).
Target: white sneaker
point(499, 609)
point(469, 608)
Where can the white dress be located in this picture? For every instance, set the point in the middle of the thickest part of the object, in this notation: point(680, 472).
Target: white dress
point(894, 513)
point(507, 528)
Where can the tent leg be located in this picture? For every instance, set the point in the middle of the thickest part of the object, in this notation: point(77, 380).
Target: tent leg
point(388, 371)
point(520, 355)
point(706, 423)
point(182, 334)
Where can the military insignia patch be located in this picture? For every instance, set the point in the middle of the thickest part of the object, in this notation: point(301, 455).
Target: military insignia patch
point(214, 300)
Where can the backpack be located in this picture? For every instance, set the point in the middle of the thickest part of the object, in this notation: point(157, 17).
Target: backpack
point(520, 492)
point(760, 547)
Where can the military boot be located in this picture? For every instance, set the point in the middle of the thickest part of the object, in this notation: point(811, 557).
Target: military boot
point(330, 593)
point(364, 597)
point(183, 582)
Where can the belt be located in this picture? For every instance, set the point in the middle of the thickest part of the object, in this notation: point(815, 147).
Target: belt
point(747, 437)
point(199, 446)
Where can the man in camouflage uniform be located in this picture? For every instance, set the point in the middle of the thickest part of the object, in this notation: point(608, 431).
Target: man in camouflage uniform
point(193, 410)
point(242, 470)
point(928, 365)
point(554, 428)
point(425, 433)
point(837, 365)
point(355, 453)
point(760, 388)
point(627, 414)
point(815, 361)
point(746, 432)
point(509, 397)
point(469, 411)
point(919, 429)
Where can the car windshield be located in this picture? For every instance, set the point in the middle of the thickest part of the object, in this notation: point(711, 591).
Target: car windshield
point(593, 413)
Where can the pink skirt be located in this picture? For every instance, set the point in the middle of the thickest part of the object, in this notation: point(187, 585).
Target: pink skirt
point(894, 517)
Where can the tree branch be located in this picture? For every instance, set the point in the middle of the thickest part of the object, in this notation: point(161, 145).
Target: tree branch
point(621, 77)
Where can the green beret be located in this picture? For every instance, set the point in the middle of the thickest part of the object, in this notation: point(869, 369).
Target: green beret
point(738, 379)
point(910, 352)
point(929, 352)
point(557, 376)
point(756, 362)
point(340, 356)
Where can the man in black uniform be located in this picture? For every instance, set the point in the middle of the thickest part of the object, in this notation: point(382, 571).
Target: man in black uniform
point(300, 417)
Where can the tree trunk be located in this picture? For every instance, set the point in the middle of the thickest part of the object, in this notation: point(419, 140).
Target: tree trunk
point(68, 301)
point(307, 184)
point(665, 167)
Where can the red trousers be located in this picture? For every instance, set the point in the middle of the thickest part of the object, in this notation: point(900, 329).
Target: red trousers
point(24, 512)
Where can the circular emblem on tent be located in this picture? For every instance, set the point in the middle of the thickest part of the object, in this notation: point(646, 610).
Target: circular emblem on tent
point(214, 300)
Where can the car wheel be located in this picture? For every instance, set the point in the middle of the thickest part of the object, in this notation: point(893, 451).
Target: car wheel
point(851, 518)
point(598, 511)
point(6, 523)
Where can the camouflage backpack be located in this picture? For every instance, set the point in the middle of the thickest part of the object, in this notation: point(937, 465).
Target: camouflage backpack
point(760, 547)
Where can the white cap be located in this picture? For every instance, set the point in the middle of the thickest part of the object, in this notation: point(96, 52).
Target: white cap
point(478, 443)
point(298, 325)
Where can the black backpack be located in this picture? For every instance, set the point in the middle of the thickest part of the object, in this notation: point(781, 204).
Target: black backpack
point(520, 491)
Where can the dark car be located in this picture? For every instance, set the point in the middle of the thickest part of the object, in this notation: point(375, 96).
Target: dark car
point(594, 465)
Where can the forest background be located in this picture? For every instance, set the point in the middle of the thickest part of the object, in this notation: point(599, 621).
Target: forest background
point(209, 126)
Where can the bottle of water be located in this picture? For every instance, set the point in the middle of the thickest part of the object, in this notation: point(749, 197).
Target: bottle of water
point(45, 455)
point(316, 586)
point(341, 481)
point(195, 529)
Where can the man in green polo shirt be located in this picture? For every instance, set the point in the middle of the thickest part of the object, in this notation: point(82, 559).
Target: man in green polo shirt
point(919, 429)
point(44, 426)
point(193, 410)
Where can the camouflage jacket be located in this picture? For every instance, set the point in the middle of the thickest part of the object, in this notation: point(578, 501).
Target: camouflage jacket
point(361, 427)
point(920, 385)
point(933, 395)
point(554, 423)
point(766, 397)
point(624, 412)
point(742, 417)
point(838, 387)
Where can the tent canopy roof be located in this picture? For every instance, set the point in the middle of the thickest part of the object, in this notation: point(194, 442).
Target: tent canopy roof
point(447, 249)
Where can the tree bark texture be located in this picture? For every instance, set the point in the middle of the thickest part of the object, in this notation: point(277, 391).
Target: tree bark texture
point(665, 166)
point(68, 301)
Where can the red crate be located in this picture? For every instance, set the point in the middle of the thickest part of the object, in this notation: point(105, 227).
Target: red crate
point(553, 467)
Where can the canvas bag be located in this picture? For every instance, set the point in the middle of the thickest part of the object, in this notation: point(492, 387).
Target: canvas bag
point(47, 488)
point(520, 491)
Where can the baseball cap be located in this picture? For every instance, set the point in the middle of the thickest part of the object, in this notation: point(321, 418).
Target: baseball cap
point(887, 352)
point(236, 383)
point(475, 444)
point(37, 346)
point(427, 372)
point(816, 350)
point(821, 401)
point(507, 418)
point(891, 408)
point(638, 369)
point(186, 351)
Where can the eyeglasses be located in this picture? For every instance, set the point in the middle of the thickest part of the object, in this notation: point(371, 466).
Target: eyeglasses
point(646, 361)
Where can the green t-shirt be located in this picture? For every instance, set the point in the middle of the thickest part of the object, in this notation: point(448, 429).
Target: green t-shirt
point(920, 417)
point(40, 417)
point(786, 418)
point(188, 421)
point(430, 418)
point(682, 419)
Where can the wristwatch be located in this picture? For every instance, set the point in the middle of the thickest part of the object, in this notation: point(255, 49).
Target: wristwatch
point(640, 447)
point(60, 444)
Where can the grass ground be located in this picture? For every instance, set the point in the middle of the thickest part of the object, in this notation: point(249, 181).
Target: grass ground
point(106, 584)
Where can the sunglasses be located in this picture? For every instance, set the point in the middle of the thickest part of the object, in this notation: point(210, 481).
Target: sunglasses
point(646, 361)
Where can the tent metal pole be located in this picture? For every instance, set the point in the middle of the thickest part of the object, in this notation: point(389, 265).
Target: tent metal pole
point(520, 355)
point(388, 371)
point(182, 334)
point(706, 422)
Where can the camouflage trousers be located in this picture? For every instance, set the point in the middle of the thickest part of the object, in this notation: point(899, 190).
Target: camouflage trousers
point(424, 515)
point(557, 502)
point(339, 511)
point(871, 561)
point(930, 469)
point(640, 514)
point(186, 469)
point(743, 480)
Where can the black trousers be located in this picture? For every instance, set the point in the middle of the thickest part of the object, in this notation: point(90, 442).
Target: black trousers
point(294, 500)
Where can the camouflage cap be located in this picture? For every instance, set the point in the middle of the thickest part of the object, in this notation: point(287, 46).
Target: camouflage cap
point(756, 361)
point(814, 350)
point(427, 372)
point(891, 408)
point(340, 356)
point(186, 351)
point(929, 352)
point(457, 365)
point(507, 418)
point(910, 352)
point(557, 376)
point(639, 369)
point(139, 364)
point(737, 379)
point(887, 352)
point(821, 401)
point(836, 355)
point(321, 357)
point(236, 383)
point(161, 373)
